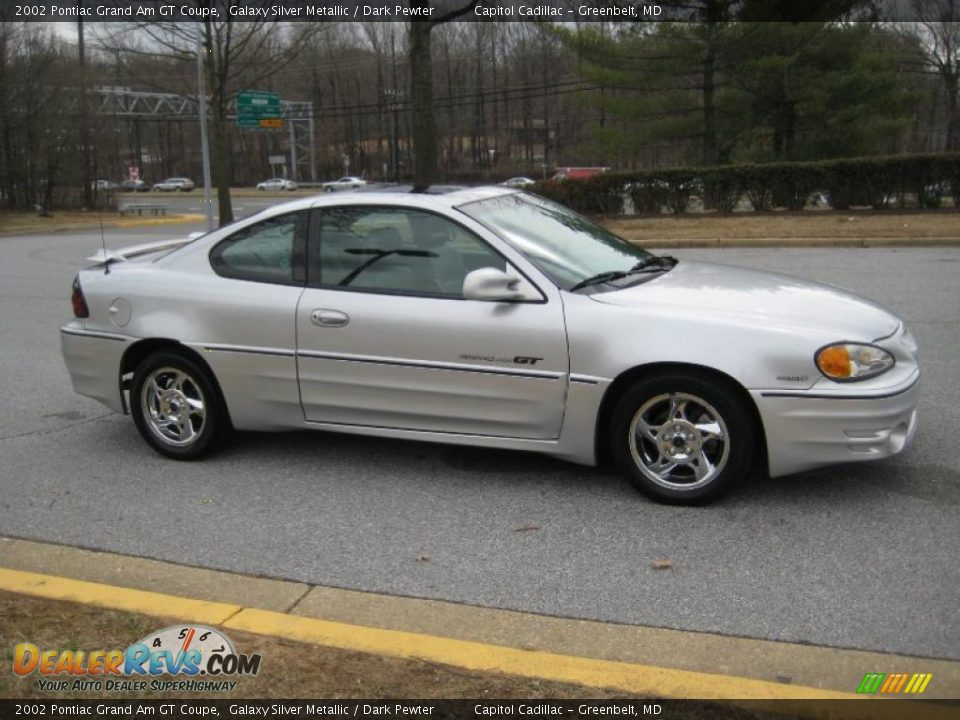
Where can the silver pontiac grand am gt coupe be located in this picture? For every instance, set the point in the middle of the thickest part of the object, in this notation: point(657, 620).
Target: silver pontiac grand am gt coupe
point(494, 318)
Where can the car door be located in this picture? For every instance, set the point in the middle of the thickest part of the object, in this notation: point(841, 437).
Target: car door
point(245, 318)
point(386, 339)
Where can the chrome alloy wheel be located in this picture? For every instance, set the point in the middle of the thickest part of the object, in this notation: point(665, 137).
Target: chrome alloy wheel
point(679, 441)
point(173, 406)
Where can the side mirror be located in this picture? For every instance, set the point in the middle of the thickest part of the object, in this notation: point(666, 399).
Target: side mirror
point(492, 284)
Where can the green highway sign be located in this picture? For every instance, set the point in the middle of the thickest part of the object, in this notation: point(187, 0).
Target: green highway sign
point(257, 109)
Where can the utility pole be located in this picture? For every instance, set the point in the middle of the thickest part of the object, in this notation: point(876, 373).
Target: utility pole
point(88, 190)
point(294, 175)
point(204, 140)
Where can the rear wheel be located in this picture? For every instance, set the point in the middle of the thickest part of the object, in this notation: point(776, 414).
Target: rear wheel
point(682, 438)
point(177, 408)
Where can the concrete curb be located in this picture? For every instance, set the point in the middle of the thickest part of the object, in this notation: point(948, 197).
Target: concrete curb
point(594, 654)
point(631, 678)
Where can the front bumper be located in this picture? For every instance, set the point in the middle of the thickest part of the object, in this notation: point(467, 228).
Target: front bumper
point(93, 361)
point(807, 430)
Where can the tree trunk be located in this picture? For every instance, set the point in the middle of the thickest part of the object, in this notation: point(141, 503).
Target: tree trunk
point(953, 120)
point(220, 160)
point(421, 93)
point(709, 88)
point(221, 163)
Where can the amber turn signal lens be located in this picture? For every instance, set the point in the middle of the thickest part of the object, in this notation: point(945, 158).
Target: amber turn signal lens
point(834, 361)
point(853, 361)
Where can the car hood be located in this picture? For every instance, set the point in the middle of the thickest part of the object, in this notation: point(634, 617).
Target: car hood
point(710, 289)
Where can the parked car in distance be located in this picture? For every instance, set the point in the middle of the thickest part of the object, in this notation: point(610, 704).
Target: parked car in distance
point(578, 173)
point(174, 184)
point(519, 183)
point(134, 186)
point(103, 185)
point(345, 183)
point(495, 318)
point(277, 185)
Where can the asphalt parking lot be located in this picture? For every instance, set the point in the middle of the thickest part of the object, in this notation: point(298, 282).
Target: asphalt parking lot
point(861, 556)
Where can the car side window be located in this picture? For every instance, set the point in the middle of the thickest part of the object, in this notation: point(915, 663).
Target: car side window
point(270, 251)
point(398, 250)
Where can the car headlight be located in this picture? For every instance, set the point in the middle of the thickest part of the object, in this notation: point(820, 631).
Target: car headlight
point(847, 362)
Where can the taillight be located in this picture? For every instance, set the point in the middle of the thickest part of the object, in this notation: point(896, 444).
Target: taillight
point(80, 308)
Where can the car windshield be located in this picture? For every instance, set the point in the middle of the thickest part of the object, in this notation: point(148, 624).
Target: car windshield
point(564, 245)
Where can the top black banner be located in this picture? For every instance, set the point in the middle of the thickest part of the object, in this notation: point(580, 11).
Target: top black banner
point(559, 11)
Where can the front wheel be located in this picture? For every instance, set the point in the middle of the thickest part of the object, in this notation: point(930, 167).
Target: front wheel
point(176, 407)
point(683, 438)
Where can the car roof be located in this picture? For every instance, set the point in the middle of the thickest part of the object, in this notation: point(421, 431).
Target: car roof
point(446, 197)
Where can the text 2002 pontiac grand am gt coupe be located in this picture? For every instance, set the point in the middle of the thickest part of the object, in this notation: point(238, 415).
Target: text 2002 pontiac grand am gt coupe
point(495, 318)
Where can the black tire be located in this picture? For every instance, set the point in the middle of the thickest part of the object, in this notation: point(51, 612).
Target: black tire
point(328, 189)
point(211, 427)
point(709, 465)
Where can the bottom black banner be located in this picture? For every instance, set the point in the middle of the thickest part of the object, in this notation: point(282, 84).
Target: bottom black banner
point(532, 709)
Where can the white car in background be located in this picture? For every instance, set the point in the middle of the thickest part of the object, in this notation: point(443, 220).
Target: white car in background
point(489, 317)
point(345, 183)
point(174, 184)
point(519, 183)
point(277, 185)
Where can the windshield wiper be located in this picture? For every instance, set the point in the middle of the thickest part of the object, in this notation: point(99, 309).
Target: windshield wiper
point(599, 278)
point(655, 262)
point(648, 264)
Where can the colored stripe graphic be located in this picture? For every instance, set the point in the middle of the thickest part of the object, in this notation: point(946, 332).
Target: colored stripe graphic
point(918, 683)
point(871, 682)
point(913, 684)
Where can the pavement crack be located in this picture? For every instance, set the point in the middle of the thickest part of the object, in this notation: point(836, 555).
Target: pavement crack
point(296, 602)
point(232, 615)
point(50, 431)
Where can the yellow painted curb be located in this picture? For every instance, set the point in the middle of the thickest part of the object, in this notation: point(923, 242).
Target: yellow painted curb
point(116, 598)
point(632, 678)
point(643, 680)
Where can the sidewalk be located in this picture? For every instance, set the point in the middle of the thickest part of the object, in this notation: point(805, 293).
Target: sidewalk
point(632, 660)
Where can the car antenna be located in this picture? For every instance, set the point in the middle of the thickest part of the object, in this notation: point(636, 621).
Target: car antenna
point(103, 241)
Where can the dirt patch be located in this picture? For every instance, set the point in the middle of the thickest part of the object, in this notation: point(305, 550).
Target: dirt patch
point(289, 669)
point(24, 223)
point(763, 226)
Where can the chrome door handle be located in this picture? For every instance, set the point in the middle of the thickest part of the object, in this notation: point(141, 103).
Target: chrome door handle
point(329, 318)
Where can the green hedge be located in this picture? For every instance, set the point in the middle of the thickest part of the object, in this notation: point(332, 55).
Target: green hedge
point(876, 182)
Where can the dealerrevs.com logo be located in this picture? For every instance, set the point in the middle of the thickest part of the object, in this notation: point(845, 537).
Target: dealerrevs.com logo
point(198, 657)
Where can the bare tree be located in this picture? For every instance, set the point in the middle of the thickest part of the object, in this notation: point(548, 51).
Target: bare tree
point(421, 89)
point(234, 55)
point(37, 133)
point(939, 22)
